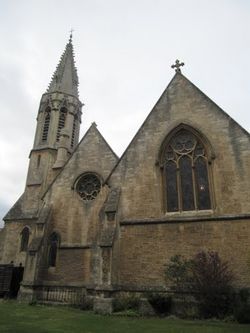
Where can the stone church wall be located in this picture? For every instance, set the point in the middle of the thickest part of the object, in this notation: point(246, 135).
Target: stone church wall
point(138, 170)
point(72, 267)
point(76, 221)
point(12, 242)
point(148, 246)
point(146, 249)
point(2, 236)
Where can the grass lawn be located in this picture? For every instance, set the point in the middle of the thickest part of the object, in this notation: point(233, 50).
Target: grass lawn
point(21, 318)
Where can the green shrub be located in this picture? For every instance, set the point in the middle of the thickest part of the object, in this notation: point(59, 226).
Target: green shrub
point(87, 304)
point(242, 314)
point(161, 303)
point(178, 273)
point(211, 284)
point(242, 307)
point(207, 278)
point(123, 303)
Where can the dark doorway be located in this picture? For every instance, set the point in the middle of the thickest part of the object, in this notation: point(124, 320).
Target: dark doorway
point(10, 279)
point(17, 276)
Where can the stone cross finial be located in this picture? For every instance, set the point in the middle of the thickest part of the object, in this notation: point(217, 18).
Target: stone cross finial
point(177, 65)
point(71, 34)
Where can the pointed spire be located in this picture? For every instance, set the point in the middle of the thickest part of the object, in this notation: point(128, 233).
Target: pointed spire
point(65, 78)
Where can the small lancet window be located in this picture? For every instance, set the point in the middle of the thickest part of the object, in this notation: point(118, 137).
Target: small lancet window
point(38, 161)
point(73, 133)
point(186, 173)
point(53, 246)
point(61, 122)
point(46, 125)
point(24, 239)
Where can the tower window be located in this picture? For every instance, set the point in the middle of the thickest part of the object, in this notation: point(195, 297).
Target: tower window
point(46, 125)
point(186, 173)
point(24, 239)
point(38, 161)
point(73, 133)
point(53, 246)
point(61, 122)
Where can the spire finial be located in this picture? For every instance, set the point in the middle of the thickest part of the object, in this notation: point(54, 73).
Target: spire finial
point(177, 66)
point(71, 35)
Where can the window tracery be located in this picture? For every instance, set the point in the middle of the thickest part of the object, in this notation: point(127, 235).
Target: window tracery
point(186, 173)
point(88, 186)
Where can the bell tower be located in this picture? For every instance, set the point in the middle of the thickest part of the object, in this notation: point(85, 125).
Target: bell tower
point(57, 134)
point(58, 124)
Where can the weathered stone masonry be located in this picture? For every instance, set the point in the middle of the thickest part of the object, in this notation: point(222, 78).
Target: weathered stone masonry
point(113, 230)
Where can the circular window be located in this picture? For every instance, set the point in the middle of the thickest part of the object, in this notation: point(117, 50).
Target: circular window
point(88, 187)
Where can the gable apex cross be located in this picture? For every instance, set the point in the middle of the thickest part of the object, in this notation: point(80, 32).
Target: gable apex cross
point(177, 66)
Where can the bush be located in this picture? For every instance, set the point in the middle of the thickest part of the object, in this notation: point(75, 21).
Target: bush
point(211, 284)
point(87, 304)
point(208, 278)
point(161, 303)
point(242, 308)
point(242, 314)
point(178, 273)
point(123, 303)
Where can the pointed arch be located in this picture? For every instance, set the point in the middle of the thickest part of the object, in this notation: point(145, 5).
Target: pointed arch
point(46, 124)
point(185, 159)
point(54, 241)
point(25, 234)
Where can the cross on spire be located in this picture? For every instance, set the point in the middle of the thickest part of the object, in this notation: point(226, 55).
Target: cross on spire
point(177, 66)
point(71, 34)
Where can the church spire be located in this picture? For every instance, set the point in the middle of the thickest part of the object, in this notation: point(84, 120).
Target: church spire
point(65, 78)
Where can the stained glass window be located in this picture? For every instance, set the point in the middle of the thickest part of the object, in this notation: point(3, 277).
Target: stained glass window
point(172, 189)
point(186, 173)
point(88, 186)
point(186, 182)
point(24, 239)
point(53, 246)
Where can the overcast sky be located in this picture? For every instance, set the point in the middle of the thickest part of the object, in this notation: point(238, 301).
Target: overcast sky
point(123, 52)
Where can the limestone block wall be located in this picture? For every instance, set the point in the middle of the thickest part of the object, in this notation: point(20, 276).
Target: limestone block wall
point(145, 248)
point(140, 176)
point(72, 267)
point(12, 242)
point(78, 222)
point(2, 236)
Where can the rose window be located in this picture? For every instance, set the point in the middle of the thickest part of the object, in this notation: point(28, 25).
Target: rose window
point(88, 187)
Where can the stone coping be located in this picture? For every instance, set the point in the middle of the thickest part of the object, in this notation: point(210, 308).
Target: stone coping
point(180, 219)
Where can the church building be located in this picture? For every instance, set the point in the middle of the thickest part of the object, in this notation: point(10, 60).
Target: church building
point(91, 223)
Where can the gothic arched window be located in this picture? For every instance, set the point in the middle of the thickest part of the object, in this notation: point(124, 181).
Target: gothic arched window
point(46, 125)
point(61, 122)
point(53, 246)
point(24, 239)
point(186, 173)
